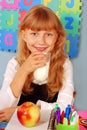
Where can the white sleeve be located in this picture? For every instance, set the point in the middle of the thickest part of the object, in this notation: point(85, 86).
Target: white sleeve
point(7, 98)
point(65, 95)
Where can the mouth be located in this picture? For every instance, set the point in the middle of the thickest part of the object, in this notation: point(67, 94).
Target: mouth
point(40, 48)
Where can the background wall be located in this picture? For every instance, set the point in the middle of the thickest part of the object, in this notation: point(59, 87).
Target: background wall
point(79, 64)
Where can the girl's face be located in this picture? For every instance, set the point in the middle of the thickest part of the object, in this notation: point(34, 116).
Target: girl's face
point(42, 41)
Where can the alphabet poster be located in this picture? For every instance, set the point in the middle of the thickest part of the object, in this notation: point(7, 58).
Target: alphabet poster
point(12, 12)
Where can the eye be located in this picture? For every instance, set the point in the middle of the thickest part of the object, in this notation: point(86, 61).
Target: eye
point(34, 33)
point(49, 34)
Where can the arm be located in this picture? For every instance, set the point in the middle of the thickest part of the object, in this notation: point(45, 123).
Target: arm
point(15, 77)
point(8, 99)
point(65, 95)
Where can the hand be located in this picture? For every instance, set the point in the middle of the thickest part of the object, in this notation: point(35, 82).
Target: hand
point(39, 107)
point(6, 113)
point(34, 61)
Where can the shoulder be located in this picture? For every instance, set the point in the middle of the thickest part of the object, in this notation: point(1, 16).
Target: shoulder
point(68, 63)
point(68, 73)
point(12, 64)
point(13, 61)
point(68, 67)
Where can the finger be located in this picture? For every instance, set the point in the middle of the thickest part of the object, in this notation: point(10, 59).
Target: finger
point(2, 114)
point(39, 65)
point(3, 119)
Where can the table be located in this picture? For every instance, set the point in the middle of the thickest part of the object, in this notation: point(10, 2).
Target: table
point(15, 125)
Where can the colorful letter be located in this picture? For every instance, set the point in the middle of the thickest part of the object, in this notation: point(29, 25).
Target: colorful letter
point(10, 22)
point(70, 4)
point(28, 3)
point(67, 46)
point(10, 1)
point(70, 21)
point(8, 39)
point(46, 2)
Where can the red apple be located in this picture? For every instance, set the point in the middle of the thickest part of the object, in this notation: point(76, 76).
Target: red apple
point(28, 114)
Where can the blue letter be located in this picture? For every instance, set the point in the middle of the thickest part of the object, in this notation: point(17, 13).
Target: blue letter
point(70, 21)
point(70, 4)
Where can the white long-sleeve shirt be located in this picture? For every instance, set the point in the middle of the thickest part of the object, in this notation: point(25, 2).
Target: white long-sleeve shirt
point(65, 95)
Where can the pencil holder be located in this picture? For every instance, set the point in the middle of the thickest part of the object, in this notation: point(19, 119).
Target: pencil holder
point(67, 127)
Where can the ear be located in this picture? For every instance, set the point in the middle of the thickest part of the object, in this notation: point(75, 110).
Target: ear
point(23, 33)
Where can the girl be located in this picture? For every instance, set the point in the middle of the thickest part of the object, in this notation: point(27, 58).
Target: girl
point(40, 34)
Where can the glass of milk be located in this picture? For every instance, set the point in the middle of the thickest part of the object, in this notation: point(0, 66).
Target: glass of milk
point(41, 74)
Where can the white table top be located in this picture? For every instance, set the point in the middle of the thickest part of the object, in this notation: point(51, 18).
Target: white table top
point(14, 124)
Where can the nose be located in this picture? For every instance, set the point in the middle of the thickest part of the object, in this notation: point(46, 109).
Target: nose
point(41, 40)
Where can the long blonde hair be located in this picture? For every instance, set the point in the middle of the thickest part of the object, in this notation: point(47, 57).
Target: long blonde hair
point(39, 18)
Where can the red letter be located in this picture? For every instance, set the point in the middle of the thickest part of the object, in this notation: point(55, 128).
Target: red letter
point(28, 3)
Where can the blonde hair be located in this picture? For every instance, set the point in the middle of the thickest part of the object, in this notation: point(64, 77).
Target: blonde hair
point(39, 18)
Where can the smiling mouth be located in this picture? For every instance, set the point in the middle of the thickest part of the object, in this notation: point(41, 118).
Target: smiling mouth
point(40, 48)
